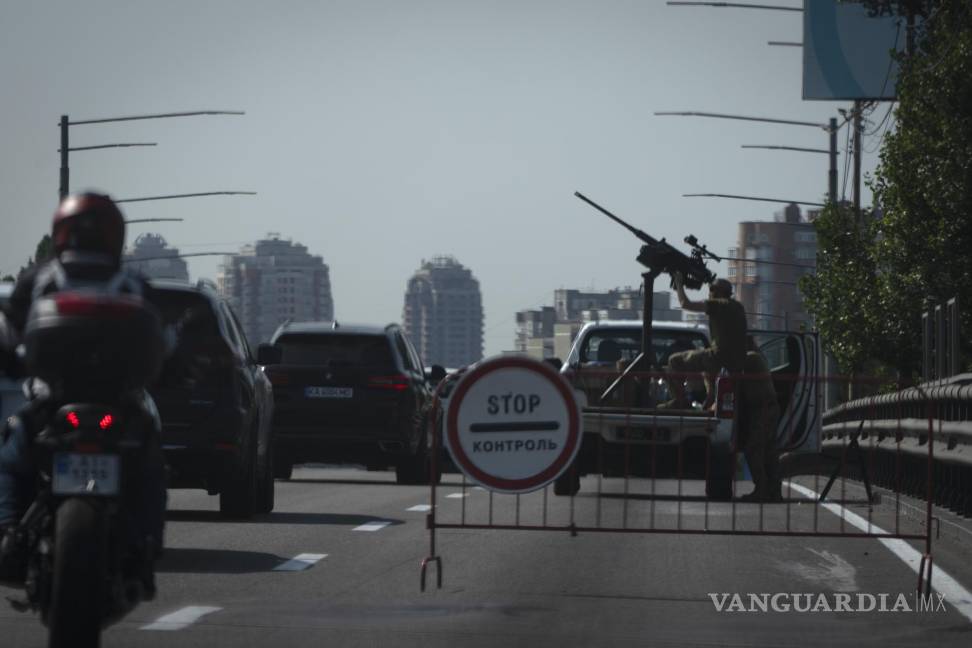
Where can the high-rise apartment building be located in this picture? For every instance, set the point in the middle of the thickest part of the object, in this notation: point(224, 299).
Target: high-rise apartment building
point(274, 281)
point(443, 313)
point(769, 291)
point(152, 257)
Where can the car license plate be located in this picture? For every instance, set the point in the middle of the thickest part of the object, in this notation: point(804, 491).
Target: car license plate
point(657, 435)
point(85, 474)
point(328, 392)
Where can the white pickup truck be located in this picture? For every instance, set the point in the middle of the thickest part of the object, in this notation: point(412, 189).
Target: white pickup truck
point(625, 434)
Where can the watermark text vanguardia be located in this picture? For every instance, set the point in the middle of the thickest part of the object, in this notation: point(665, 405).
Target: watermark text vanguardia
point(828, 602)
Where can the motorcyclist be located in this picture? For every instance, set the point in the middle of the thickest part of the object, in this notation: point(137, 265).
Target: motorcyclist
point(88, 233)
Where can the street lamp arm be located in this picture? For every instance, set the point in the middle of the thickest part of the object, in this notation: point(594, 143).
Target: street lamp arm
point(785, 148)
point(190, 195)
point(766, 262)
point(734, 5)
point(774, 200)
point(784, 43)
point(771, 120)
point(104, 146)
point(158, 116)
point(177, 256)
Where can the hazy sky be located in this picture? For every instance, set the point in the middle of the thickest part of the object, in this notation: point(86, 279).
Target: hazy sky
point(379, 133)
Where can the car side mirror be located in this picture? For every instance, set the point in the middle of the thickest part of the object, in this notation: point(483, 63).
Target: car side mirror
point(436, 374)
point(268, 354)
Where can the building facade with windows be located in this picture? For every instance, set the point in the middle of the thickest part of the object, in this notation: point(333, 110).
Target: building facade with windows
point(274, 281)
point(443, 313)
point(772, 256)
point(152, 257)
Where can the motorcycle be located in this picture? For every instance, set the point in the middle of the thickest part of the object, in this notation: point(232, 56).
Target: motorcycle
point(90, 355)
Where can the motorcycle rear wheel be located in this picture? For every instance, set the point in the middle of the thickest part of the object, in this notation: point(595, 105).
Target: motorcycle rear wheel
point(78, 592)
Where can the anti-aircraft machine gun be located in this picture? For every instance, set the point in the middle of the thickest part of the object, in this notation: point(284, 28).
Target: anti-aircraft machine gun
point(658, 257)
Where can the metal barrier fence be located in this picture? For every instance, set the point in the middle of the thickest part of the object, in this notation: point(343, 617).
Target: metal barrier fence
point(899, 422)
point(680, 472)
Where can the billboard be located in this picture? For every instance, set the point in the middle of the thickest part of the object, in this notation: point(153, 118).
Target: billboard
point(846, 54)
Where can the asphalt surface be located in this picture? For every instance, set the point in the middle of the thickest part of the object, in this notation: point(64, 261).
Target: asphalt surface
point(359, 542)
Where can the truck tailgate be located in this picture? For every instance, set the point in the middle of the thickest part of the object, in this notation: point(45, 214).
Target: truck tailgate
point(619, 425)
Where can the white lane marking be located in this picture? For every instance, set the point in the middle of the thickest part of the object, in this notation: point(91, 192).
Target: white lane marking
point(956, 595)
point(457, 495)
point(300, 562)
point(421, 508)
point(479, 488)
point(181, 618)
point(372, 526)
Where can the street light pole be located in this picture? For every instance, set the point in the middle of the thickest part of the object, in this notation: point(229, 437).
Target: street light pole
point(64, 183)
point(62, 189)
point(832, 173)
point(830, 127)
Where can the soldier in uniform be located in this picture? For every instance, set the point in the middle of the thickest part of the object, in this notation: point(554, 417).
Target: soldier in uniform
point(759, 415)
point(727, 325)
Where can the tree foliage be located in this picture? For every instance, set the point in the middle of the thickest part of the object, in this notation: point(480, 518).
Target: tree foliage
point(43, 252)
point(924, 179)
point(841, 294)
point(875, 278)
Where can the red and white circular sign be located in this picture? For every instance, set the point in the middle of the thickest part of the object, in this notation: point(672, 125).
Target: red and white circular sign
point(513, 424)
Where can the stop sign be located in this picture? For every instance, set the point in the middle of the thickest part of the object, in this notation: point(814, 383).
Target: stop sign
point(513, 424)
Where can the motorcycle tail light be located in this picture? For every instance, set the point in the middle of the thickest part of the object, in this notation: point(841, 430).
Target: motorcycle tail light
point(106, 422)
point(72, 418)
point(74, 304)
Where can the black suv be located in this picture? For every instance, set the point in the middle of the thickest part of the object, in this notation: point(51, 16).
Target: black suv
point(215, 403)
point(349, 394)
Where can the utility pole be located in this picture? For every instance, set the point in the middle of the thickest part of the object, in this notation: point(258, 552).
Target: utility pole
point(64, 184)
point(857, 121)
point(62, 189)
point(832, 173)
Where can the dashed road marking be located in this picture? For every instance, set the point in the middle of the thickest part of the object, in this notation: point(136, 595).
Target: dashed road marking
point(372, 526)
point(457, 495)
point(181, 618)
point(300, 562)
point(420, 508)
point(955, 594)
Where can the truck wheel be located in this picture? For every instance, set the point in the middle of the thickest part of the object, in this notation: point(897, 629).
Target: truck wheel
point(78, 594)
point(412, 470)
point(238, 497)
point(568, 483)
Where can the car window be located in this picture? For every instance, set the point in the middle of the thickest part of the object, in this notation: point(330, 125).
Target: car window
point(610, 345)
point(174, 305)
point(370, 351)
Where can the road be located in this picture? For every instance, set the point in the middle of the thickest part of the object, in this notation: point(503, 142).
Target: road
point(361, 538)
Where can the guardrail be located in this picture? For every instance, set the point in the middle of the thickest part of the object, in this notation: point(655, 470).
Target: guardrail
point(897, 430)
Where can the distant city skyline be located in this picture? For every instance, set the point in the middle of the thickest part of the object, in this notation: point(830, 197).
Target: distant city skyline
point(378, 133)
point(443, 313)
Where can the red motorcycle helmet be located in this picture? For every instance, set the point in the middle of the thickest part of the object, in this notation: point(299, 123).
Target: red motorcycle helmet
point(89, 222)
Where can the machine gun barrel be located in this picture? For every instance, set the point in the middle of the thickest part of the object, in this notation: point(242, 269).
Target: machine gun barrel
point(631, 228)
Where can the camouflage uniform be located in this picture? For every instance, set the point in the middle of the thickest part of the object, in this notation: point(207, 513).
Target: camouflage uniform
point(727, 324)
point(759, 415)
